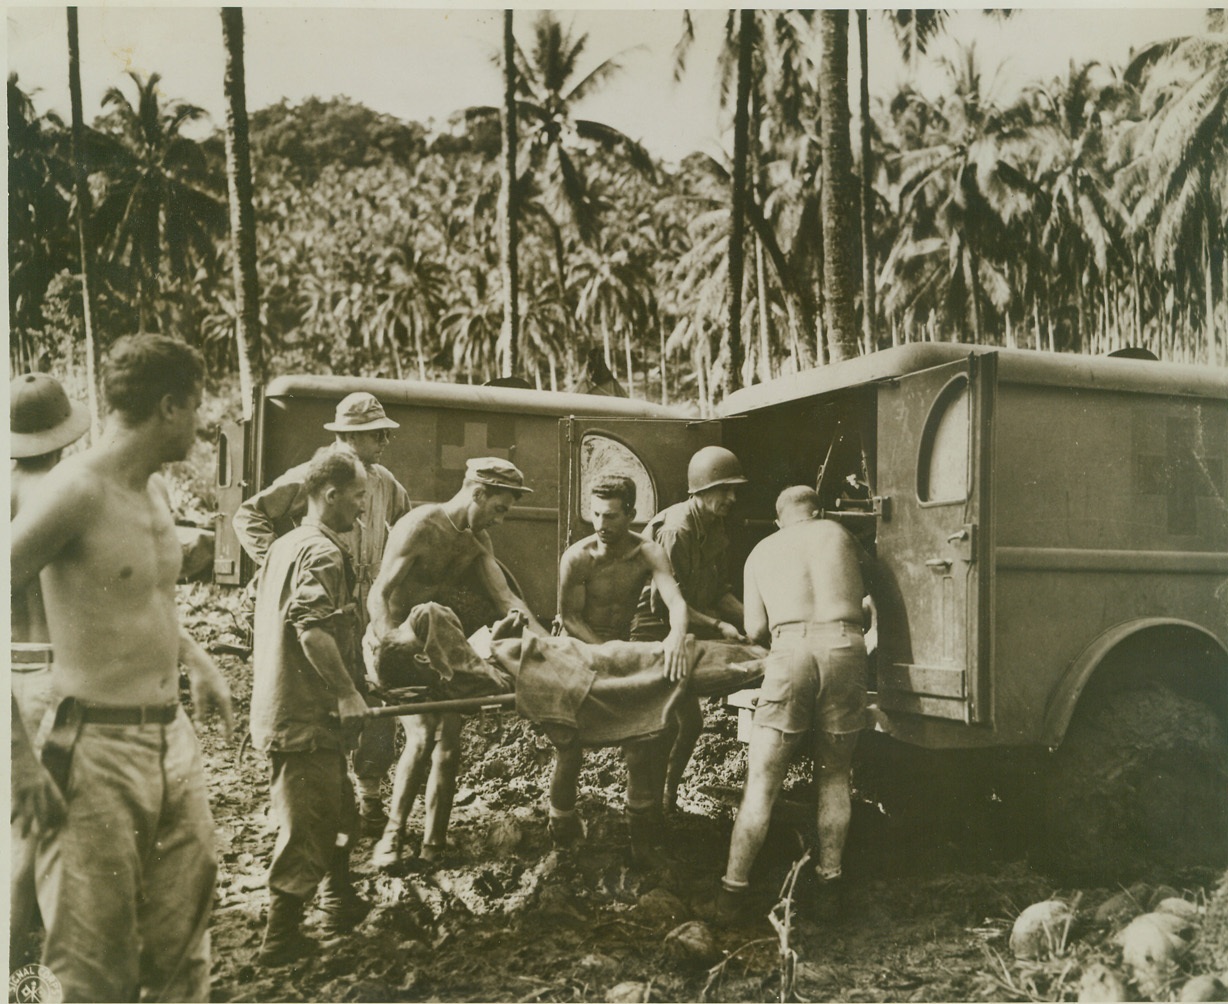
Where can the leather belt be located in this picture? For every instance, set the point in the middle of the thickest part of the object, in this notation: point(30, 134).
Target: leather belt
point(29, 657)
point(145, 714)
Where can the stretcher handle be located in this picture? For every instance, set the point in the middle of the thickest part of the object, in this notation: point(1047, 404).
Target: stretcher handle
point(436, 707)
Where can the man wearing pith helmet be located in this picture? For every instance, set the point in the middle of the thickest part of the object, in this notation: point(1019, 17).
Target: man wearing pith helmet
point(362, 424)
point(42, 421)
point(693, 535)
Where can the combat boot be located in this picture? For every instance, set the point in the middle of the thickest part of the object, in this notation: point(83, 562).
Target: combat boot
point(823, 900)
point(284, 942)
point(343, 908)
point(565, 831)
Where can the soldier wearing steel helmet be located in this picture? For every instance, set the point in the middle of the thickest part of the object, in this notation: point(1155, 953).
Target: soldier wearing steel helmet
point(693, 535)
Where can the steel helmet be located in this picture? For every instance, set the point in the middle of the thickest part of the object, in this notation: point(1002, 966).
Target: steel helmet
point(712, 466)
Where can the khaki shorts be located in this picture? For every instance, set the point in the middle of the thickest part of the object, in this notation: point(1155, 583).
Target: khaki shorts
point(815, 676)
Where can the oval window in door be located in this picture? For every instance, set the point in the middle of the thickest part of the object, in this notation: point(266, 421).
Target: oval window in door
point(602, 455)
point(942, 463)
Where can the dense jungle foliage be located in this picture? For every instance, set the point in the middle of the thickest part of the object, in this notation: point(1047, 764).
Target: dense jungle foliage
point(1089, 214)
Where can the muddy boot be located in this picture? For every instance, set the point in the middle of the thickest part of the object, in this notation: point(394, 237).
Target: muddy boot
point(646, 828)
point(387, 852)
point(725, 907)
point(371, 814)
point(566, 830)
point(343, 908)
point(823, 900)
point(283, 941)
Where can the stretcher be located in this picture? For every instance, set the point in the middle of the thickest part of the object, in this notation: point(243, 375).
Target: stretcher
point(592, 694)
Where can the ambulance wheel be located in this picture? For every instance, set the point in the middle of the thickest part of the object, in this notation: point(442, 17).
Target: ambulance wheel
point(1139, 784)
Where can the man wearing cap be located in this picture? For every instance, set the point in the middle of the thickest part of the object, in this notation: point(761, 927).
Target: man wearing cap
point(429, 552)
point(42, 421)
point(361, 424)
point(693, 535)
point(126, 880)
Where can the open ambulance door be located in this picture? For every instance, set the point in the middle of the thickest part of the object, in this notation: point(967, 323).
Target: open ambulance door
point(932, 579)
point(652, 452)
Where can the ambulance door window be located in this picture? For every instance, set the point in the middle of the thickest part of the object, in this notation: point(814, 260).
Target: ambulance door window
point(601, 455)
point(942, 465)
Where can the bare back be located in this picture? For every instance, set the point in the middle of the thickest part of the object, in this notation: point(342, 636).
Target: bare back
point(109, 588)
point(808, 571)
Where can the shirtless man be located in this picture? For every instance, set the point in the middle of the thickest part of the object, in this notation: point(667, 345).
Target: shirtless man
point(42, 421)
point(804, 588)
point(125, 882)
point(429, 551)
point(600, 581)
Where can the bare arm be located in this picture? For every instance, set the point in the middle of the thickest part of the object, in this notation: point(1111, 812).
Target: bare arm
point(210, 692)
point(756, 618)
point(37, 803)
point(321, 650)
point(677, 666)
point(498, 590)
point(382, 603)
point(573, 596)
point(50, 521)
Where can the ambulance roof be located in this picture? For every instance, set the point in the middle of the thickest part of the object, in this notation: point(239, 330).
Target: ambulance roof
point(466, 396)
point(1015, 366)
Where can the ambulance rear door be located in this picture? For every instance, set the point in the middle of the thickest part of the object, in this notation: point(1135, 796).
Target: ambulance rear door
point(653, 452)
point(932, 580)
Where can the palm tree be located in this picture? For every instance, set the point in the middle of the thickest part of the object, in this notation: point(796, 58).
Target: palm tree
point(737, 201)
point(82, 189)
point(554, 139)
point(39, 186)
point(409, 289)
point(156, 200)
point(242, 212)
point(839, 194)
point(509, 208)
point(1178, 177)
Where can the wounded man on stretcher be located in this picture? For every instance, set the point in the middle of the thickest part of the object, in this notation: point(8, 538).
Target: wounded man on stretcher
point(594, 695)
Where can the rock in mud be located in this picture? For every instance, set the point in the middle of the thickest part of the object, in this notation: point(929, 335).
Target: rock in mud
point(1152, 946)
point(1178, 907)
point(692, 943)
point(1118, 910)
point(1041, 929)
point(629, 992)
point(661, 904)
point(597, 966)
point(1204, 988)
point(1100, 983)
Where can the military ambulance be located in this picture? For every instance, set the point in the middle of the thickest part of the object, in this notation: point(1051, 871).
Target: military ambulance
point(1050, 535)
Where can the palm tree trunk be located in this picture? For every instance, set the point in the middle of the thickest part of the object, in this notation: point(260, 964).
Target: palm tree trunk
point(82, 189)
point(868, 312)
point(630, 368)
point(509, 211)
point(839, 194)
point(605, 342)
point(242, 213)
point(765, 337)
point(664, 373)
point(737, 212)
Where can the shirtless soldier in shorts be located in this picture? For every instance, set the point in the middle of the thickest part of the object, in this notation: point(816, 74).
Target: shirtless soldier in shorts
point(804, 588)
point(600, 580)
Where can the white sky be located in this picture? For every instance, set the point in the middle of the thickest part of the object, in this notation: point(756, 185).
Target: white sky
point(422, 64)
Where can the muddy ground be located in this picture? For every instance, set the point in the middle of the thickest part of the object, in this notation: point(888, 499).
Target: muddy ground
point(510, 919)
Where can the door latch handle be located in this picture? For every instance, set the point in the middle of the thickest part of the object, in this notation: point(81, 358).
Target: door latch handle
point(939, 564)
point(958, 535)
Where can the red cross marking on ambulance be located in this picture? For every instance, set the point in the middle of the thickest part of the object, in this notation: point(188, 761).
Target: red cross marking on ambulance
point(453, 457)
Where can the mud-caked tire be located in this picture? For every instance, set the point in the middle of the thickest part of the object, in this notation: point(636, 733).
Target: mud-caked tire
point(1138, 786)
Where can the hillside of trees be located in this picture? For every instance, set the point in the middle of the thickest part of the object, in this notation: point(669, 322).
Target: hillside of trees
point(1090, 214)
